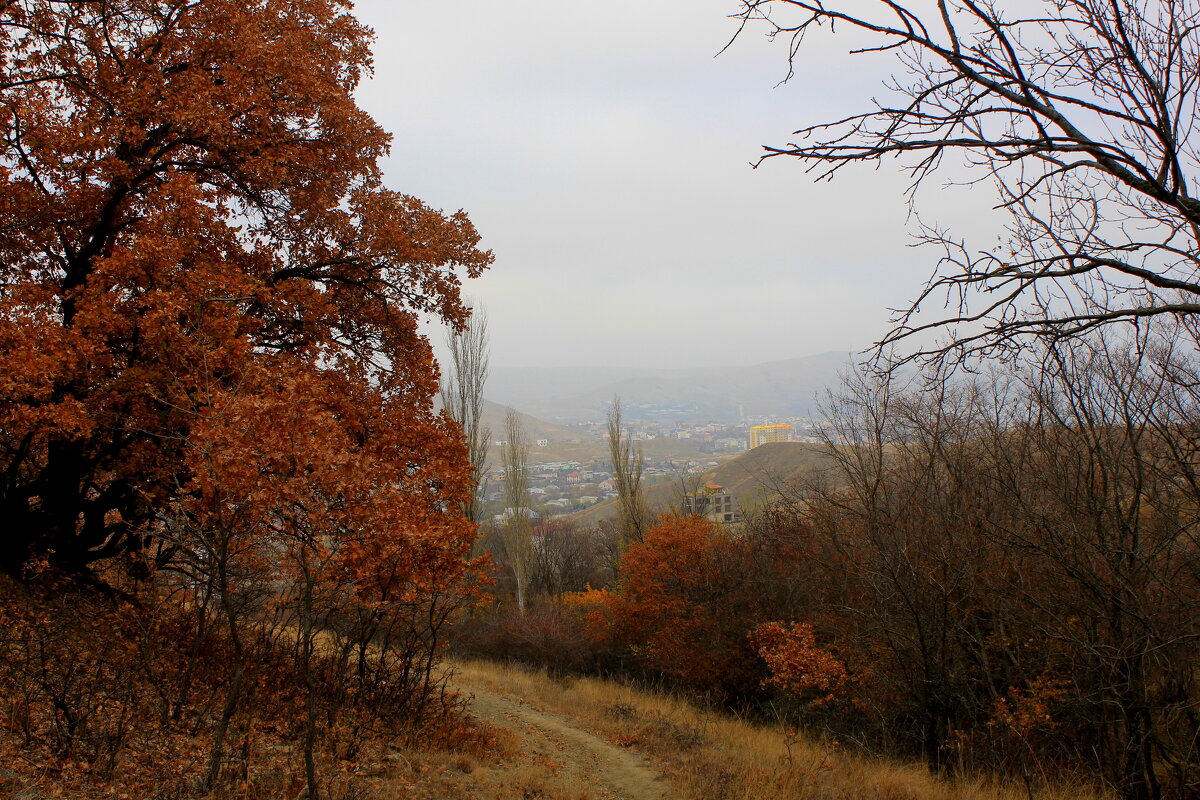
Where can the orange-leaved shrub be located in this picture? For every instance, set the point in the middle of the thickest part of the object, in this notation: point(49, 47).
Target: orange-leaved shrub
point(687, 598)
point(799, 666)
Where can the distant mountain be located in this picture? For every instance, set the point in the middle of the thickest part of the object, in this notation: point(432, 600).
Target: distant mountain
point(575, 394)
point(520, 386)
point(494, 414)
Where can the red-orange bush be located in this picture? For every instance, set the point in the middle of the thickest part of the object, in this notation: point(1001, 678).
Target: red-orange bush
point(799, 666)
point(688, 596)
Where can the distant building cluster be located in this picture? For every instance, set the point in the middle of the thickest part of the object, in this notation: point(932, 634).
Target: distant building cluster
point(564, 487)
point(765, 434)
point(556, 487)
point(718, 437)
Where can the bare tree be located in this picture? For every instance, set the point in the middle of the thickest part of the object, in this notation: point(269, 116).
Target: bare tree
point(516, 528)
point(687, 486)
point(1082, 113)
point(904, 522)
point(1109, 517)
point(567, 558)
point(462, 398)
point(1030, 535)
point(627, 472)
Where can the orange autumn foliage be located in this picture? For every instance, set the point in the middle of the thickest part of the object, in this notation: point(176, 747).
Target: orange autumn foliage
point(687, 597)
point(799, 666)
point(190, 194)
point(326, 464)
point(217, 425)
point(1024, 712)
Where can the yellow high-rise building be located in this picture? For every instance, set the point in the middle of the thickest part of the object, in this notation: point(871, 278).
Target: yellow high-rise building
point(763, 434)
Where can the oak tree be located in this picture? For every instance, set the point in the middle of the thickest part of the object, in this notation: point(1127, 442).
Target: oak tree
point(685, 583)
point(189, 193)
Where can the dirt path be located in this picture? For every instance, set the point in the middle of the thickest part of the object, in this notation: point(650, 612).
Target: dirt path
point(603, 769)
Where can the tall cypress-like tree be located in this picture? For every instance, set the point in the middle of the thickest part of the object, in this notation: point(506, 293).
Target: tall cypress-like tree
point(627, 472)
point(462, 398)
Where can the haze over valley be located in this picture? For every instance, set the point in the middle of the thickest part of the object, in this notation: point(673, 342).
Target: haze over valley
point(721, 392)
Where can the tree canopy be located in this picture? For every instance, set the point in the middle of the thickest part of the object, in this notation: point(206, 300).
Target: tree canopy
point(192, 216)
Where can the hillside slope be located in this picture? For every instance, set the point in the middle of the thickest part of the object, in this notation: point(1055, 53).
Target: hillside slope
point(678, 749)
point(535, 427)
point(762, 473)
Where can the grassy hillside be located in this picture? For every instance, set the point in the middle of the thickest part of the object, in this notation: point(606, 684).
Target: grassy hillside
point(493, 417)
point(709, 754)
point(761, 473)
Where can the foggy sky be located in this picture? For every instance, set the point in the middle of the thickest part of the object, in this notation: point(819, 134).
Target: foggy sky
point(603, 149)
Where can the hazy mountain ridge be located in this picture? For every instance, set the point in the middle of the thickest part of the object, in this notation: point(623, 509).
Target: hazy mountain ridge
point(572, 394)
point(535, 428)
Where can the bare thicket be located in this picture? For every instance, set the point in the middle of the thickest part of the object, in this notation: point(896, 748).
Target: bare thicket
point(568, 558)
point(1020, 553)
point(1081, 114)
point(1021, 564)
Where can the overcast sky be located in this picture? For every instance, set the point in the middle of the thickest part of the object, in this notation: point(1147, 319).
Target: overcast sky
point(603, 149)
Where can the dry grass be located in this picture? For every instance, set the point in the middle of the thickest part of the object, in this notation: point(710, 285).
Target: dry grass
point(440, 771)
point(441, 775)
point(713, 756)
point(497, 765)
